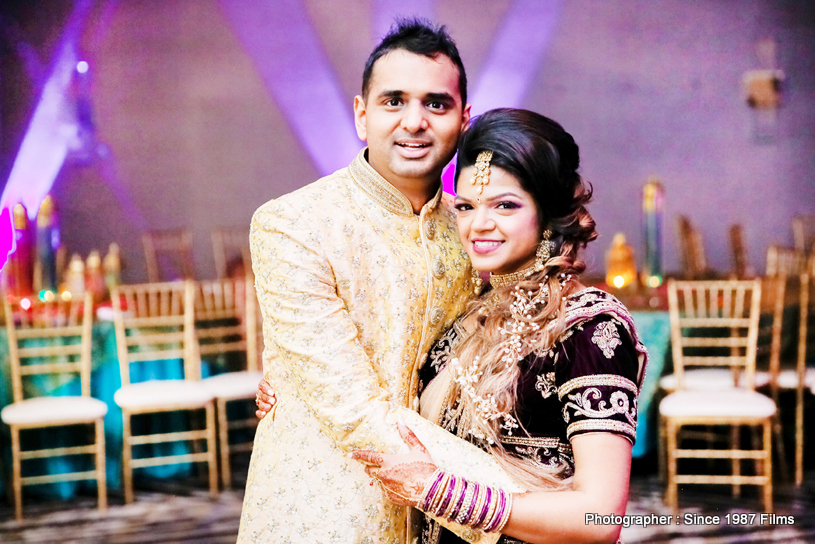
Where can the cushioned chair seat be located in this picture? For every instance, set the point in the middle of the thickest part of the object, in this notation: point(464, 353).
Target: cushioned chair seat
point(788, 379)
point(163, 395)
point(53, 410)
point(233, 385)
point(710, 379)
point(724, 403)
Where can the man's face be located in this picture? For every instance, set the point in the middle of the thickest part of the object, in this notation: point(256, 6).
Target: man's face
point(412, 117)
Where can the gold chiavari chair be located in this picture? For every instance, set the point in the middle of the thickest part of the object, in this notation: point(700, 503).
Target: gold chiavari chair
point(226, 322)
point(168, 254)
point(787, 268)
point(155, 323)
point(803, 233)
point(692, 250)
point(229, 244)
point(715, 324)
point(804, 374)
point(52, 339)
point(741, 269)
point(785, 261)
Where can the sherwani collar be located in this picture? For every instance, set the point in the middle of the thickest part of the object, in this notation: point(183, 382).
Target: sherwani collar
point(382, 191)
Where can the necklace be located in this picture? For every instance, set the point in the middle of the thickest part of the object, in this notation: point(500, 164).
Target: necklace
point(500, 280)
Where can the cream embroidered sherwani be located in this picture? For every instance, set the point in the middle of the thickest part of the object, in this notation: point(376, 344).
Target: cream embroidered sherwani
point(354, 288)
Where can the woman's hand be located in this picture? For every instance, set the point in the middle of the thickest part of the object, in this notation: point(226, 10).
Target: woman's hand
point(404, 476)
point(265, 399)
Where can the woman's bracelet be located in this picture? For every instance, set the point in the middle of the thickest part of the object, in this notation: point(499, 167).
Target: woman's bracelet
point(467, 503)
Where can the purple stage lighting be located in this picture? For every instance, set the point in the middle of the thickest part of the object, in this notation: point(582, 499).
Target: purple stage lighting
point(515, 55)
point(280, 39)
point(52, 130)
point(386, 12)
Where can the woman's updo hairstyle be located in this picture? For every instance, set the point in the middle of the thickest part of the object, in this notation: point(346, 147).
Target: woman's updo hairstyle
point(544, 158)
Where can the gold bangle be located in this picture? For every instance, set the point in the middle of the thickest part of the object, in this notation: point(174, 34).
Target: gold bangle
point(439, 495)
point(468, 501)
point(479, 505)
point(455, 499)
point(494, 501)
point(428, 486)
point(505, 517)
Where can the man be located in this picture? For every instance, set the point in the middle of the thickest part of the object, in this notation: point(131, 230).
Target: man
point(356, 275)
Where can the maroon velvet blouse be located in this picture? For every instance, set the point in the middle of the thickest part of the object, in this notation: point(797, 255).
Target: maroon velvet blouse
point(588, 382)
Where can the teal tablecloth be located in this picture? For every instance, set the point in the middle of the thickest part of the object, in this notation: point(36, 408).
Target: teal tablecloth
point(654, 329)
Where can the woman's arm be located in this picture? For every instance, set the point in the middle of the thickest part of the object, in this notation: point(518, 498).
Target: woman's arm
point(600, 486)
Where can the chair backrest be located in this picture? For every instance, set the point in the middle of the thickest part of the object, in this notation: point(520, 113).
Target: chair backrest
point(785, 261)
point(229, 244)
point(49, 338)
point(226, 318)
point(780, 296)
point(692, 249)
point(168, 254)
point(155, 322)
point(715, 324)
point(806, 320)
point(803, 232)
point(739, 251)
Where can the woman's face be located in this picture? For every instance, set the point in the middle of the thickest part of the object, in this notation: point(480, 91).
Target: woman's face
point(501, 232)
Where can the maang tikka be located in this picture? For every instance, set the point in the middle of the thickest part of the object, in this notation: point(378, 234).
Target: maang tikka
point(482, 171)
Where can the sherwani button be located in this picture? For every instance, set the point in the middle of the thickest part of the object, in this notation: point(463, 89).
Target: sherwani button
point(436, 315)
point(438, 268)
point(430, 229)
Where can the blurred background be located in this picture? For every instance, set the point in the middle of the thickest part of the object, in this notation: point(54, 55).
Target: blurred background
point(192, 113)
point(124, 119)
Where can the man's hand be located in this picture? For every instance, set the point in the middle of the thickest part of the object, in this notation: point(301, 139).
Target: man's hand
point(403, 477)
point(265, 399)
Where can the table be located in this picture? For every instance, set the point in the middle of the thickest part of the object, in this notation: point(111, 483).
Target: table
point(654, 329)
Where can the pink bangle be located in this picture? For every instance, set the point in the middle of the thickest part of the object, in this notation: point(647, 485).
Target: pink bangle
point(507, 512)
point(448, 494)
point(479, 522)
point(491, 525)
point(430, 490)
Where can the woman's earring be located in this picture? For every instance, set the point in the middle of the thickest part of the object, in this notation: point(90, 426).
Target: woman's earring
point(544, 251)
point(476, 282)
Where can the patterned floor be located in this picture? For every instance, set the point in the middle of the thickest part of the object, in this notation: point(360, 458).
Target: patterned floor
point(182, 512)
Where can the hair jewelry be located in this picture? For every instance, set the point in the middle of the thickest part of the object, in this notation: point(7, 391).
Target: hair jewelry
point(482, 171)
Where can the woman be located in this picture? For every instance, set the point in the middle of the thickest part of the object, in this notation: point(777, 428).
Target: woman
point(541, 372)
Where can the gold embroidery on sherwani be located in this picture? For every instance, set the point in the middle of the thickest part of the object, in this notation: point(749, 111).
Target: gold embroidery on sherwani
point(344, 278)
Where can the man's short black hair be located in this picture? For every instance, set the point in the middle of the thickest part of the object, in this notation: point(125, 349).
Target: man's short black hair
point(421, 37)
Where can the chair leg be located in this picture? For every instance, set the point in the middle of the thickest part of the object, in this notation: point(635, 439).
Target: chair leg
point(799, 436)
point(735, 462)
point(768, 467)
point(212, 458)
point(671, 497)
point(223, 436)
point(780, 450)
point(661, 458)
point(101, 475)
point(16, 473)
point(127, 469)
